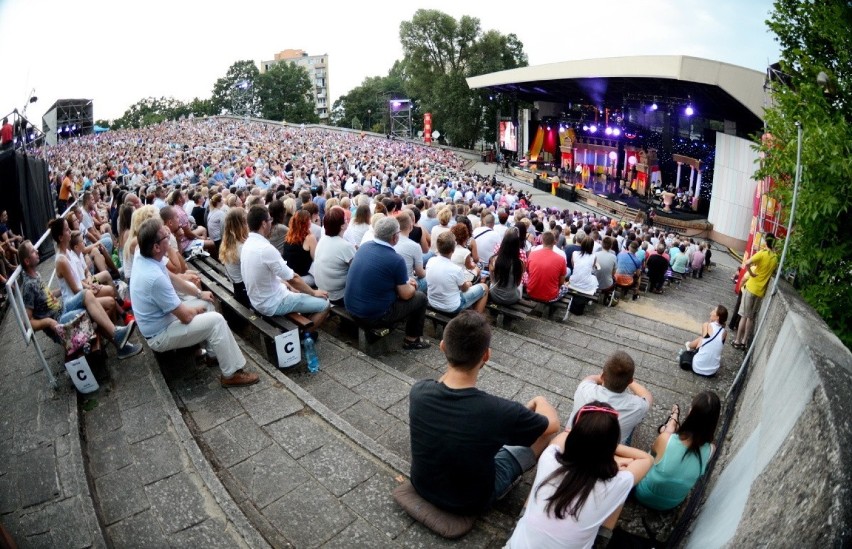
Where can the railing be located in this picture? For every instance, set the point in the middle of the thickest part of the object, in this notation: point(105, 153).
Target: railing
point(16, 300)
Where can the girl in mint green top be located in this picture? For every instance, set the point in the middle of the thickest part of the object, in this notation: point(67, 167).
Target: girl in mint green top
point(682, 453)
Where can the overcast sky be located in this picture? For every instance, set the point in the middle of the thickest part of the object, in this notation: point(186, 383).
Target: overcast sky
point(119, 51)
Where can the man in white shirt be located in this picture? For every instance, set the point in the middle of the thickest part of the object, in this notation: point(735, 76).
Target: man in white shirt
point(449, 289)
point(273, 288)
point(169, 323)
point(487, 239)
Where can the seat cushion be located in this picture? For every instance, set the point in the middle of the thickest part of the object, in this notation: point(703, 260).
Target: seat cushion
point(439, 521)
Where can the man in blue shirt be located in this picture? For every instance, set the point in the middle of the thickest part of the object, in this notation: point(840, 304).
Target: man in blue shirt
point(169, 323)
point(379, 292)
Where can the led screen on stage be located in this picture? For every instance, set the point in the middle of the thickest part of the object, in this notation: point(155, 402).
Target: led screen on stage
point(508, 136)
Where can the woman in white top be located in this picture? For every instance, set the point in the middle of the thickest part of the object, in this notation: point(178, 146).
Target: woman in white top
point(215, 220)
point(234, 234)
point(708, 358)
point(333, 256)
point(72, 275)
point(444, 216)
point(462, 255)
point(356, 230)
point(125, 217)
point(582, 481)
point(583, 277)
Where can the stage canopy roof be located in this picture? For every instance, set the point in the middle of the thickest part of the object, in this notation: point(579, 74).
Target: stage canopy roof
point(718, 91)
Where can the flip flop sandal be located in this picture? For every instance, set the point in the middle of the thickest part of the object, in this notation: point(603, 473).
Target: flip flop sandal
point(675, 411)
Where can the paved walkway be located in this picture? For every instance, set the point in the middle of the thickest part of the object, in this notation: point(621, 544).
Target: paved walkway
point(162, 455)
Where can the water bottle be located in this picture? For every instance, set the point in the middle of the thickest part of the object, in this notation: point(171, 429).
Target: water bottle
point(311, 355)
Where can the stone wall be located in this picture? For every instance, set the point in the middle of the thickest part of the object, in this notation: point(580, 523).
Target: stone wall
point(784, 477)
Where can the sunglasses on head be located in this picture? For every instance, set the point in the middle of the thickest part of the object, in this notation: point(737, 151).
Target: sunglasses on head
point(590, 408)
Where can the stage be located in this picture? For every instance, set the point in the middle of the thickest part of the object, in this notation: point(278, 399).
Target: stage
point(622, 207)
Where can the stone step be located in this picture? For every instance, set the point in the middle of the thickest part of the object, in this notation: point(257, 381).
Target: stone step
point(152, 483)
point(312, 459)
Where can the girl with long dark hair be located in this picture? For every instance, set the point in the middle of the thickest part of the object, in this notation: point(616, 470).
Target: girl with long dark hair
point(507, 271)
point(582, 481)
point(682, 452)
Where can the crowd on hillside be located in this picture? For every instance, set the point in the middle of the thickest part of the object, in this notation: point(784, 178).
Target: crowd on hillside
point(304, 219)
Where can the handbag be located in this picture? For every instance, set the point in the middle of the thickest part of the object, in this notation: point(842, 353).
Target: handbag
point(76, 333)
point(624, 280)
point(686, 356)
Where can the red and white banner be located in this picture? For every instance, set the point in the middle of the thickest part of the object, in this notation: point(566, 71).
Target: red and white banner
point(427, 127)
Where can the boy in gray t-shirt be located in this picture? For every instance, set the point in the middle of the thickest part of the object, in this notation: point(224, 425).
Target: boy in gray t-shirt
point(616, 387)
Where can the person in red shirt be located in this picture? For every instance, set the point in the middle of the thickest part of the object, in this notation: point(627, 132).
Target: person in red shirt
point(6, 135)
point(547, 271)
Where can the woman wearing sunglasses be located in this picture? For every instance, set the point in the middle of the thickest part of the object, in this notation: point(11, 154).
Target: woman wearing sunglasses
point(582, 481)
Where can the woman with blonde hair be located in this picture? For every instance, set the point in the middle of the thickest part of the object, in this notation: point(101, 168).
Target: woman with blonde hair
point(139, 216)
point(234, 234)
point(445, 214)
point(289, 210)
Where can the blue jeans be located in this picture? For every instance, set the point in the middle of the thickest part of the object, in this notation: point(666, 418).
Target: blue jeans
point(470, 296)
point(301, 303)
point(72, 307)
point(510, 462)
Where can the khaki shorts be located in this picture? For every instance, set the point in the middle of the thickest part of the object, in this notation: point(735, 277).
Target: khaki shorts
point(749, 304)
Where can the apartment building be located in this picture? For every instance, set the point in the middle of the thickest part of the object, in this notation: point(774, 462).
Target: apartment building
point(317, 67)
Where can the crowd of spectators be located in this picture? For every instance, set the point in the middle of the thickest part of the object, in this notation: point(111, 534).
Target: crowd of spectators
point(304, 219)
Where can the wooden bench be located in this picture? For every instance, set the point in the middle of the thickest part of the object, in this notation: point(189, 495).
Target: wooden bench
point(261, 333)
point(216, 270)
point(367, 337)
point(506, 314)
point(566, 301)
point(439, 319)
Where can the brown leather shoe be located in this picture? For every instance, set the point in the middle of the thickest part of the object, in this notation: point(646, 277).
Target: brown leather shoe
point(240, 378)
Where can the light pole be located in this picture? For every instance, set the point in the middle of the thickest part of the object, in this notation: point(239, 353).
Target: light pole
point(369, 120)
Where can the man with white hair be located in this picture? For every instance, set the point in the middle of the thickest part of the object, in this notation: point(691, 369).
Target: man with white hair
point(379, 292)
point(487, 239)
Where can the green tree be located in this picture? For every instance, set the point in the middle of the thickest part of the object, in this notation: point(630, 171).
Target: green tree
point(236, 92)
point(200, 107)
point(151, 110)
point(284, 92)
point(815, 38)
point(369, 101)
point(439, 53)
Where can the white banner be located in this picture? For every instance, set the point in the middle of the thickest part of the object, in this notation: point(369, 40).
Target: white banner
point(81, 375)
point(288, 349)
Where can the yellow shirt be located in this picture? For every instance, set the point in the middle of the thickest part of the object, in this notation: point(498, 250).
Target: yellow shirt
point(763, 264)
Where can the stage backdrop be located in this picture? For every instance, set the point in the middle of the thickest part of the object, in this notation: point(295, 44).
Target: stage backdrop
point(25, 194)
point(731, 206)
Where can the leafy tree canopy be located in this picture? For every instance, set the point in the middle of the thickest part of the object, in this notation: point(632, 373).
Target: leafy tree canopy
point(236, 92)
point(284, 92)
point(151, 110)
point(815, 38)
point(368, 103)
point(439, 53)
